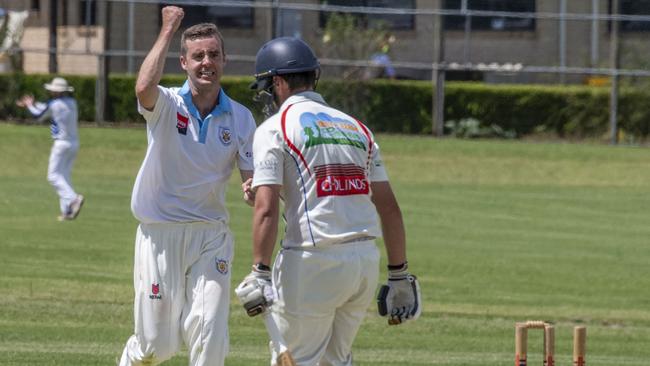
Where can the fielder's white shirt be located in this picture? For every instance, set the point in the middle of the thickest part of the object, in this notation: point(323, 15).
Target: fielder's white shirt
point(324, 160)
point(189, 160)
point(62, 114)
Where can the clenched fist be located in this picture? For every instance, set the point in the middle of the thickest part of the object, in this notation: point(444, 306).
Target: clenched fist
point(171, 17)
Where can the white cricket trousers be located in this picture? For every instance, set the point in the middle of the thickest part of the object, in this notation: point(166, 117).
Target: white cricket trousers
point(323, 296)
point(59, 171)
point(182, 291)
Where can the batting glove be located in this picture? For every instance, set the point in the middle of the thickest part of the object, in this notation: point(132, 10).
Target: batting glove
point(255, 292)
point(399, 299)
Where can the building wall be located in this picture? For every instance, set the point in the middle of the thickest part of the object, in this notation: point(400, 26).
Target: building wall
point(71, 39)
point(539, 47)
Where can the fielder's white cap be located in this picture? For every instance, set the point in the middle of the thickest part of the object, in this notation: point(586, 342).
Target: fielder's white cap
point(59, 85)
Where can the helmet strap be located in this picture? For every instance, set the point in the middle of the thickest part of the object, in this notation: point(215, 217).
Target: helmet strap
point(266, 98)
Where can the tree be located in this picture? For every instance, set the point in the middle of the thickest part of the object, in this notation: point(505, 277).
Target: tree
point(345, 38)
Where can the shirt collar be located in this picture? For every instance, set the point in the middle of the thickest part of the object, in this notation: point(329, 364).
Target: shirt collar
point(224, 105)
point(303, 97)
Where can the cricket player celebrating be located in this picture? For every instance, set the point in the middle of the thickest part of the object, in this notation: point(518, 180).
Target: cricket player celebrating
point(62, 113)
point(183, 247)
point(327, 167)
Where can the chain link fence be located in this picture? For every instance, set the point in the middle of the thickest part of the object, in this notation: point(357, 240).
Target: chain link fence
point(594, 42)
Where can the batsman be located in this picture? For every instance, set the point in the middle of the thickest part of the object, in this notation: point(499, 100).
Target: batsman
point(327, 168)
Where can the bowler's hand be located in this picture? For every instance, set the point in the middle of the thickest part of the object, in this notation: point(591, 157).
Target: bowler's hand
point(25, 101)
point(249, 193)
point(171, 17)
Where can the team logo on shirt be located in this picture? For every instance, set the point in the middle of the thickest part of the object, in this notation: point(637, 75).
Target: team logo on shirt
point(181, 123)
point(222, 265)
point(321, 128)
point(155, 292)
point(340, 180)
point(225, 136)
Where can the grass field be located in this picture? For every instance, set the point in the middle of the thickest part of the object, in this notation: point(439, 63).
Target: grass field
point(498, 232)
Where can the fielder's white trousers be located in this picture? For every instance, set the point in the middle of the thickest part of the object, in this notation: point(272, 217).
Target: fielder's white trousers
point(59, 171)
point(323, 296)
point(182, 291)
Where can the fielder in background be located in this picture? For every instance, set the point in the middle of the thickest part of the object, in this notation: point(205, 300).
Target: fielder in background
point(326, 167)
point(61, 111)
point(183, 245)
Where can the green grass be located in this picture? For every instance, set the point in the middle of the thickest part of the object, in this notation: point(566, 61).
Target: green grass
point(498, 232)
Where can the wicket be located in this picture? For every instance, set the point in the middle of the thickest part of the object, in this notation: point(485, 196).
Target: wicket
point(521, 343)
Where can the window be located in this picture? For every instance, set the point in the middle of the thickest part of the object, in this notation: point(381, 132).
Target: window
point(494, 23)
point(394, 21)
point(35, 5)
point(222, 16)
point(88, 6)
point(633, 7)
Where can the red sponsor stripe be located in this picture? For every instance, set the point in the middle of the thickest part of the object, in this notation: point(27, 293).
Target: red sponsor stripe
point(293, 147)
point(339, 172)
point(181, 117)
point(338, 169)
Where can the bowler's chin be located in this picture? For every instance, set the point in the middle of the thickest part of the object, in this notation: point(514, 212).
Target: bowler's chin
point(205, 83)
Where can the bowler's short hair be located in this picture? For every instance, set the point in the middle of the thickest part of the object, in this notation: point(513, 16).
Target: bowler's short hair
point(200, 31)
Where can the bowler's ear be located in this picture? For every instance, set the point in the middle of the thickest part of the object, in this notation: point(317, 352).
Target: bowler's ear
point(183, 62)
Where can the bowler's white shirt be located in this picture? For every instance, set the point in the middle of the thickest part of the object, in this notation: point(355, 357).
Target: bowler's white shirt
point(324, 160)
point(188, 162)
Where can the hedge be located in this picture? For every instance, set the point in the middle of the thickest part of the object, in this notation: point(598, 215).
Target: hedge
point(394, 106)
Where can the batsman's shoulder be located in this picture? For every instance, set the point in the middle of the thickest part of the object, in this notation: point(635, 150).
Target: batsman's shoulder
point(270, 127)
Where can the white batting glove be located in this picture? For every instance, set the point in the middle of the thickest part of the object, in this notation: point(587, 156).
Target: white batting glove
point(400, 298)
point(255, 292)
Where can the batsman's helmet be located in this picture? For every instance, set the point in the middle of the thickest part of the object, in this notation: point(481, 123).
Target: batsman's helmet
point(284, 55)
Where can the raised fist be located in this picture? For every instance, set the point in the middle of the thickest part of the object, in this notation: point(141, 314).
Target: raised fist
point(171, 17)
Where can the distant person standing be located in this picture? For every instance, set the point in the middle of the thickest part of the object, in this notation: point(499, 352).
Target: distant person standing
point(61, 110)
point(184, 248)
point(382, 64)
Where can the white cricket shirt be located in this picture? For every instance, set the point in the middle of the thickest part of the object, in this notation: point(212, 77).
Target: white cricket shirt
point(189, 160)
point(324, 160)
point(62, 114)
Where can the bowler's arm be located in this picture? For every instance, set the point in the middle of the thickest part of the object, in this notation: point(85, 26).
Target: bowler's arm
point(146, 86)
point(392, 224)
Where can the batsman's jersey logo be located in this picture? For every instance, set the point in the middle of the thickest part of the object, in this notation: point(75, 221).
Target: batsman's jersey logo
point(340, 180)
point(225, 136)
point(155, 292)
point(322, 128)
point(222, 265)
point(181, 123)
